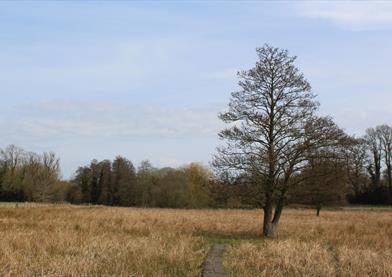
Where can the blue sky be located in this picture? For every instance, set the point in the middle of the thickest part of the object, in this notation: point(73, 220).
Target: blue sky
point(147, 79)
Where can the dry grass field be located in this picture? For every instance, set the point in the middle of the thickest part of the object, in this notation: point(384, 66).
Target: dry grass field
point(66, 240)
point(338, 243)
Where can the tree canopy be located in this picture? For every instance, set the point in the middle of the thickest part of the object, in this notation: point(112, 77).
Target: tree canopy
point(273, 129)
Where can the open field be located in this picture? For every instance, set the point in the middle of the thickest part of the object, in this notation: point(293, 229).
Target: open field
point(355, 242)
point(70, 240)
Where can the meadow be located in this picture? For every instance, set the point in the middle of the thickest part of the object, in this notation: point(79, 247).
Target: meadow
point(70, 240)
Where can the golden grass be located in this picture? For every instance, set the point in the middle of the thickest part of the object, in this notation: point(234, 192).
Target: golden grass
point(97, 241)
point(338, 243)
point(66, 240)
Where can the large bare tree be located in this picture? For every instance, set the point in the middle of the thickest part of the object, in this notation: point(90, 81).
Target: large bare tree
point(273, 130)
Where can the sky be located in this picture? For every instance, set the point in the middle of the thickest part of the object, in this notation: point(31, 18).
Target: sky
point(146, 80)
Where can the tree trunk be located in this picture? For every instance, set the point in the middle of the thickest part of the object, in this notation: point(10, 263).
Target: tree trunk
point(270, 224)
point(318, 209)
point(278, 211)
point(270, 230)
point(377, 165)
point(267, 224)
point(273, 230)
point(389, 174)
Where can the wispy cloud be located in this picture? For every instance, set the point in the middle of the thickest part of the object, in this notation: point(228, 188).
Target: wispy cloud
point(67, 119)
point(355, 15)
point(82, 130)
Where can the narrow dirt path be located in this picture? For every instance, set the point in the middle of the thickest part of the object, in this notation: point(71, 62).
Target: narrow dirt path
point(213, 266)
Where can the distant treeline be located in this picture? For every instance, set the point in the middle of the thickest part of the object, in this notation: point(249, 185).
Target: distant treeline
point(360, 172)
point(118, 183)
point(27, 176)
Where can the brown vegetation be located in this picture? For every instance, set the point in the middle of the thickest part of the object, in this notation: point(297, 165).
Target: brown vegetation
point(339, 243)
point(95, 240)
